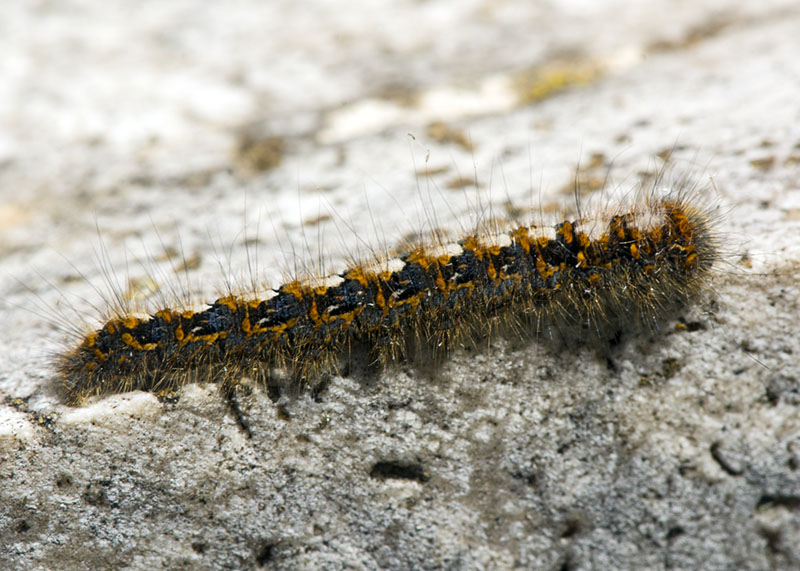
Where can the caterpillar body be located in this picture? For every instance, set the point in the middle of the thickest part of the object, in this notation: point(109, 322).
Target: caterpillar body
point(624, 269)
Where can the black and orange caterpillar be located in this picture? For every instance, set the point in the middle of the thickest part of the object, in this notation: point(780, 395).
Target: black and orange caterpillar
point(595, 275)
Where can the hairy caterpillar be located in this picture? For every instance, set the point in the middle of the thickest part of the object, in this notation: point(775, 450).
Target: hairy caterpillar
point(593, 276)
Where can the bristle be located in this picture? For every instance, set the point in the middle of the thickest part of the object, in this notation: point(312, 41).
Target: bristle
point(579, 280)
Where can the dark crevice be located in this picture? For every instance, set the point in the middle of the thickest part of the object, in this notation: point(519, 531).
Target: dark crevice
point(231, 398)
point(63, 481)
point(675, 531)
point(22, 526)
point(527, 476)
point(719, 457)
point(572, 526)
point(692, 326)
point(274, 392)
point(266, 553)
point(567, 563)
point(790, 502)
point(399, 471)
point(318, 391)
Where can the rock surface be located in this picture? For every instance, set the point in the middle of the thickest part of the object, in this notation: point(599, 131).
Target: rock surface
point(170, 129)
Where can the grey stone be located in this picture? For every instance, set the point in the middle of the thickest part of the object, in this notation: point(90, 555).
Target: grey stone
point(172, 128)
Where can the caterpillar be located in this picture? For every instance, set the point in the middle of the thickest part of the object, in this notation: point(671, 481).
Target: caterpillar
point(587, 278)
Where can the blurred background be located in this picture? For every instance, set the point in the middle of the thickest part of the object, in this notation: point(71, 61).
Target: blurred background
point(261, 140)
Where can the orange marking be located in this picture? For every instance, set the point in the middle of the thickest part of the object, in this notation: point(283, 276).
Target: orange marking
point(566, 232)
point(520, 236)
point(296, 289)
point(544, 270)
point(245, 325)
point(491, 271)
point(470, 243)
point(313, 313)
point(357, 274)
point(229, 301)
point(128, 339)
point(441, 285)
point(165, 315)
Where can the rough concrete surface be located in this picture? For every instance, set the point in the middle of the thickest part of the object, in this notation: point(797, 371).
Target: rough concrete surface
point(131, 130)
